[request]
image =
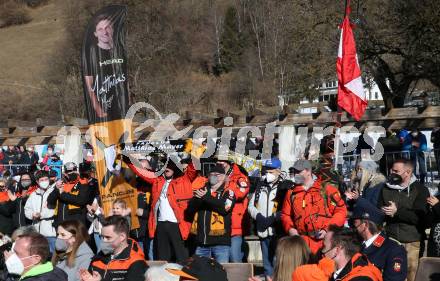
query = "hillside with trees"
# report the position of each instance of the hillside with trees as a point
(237, 55)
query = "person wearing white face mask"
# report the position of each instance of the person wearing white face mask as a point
(311, 206)
(265, 208)
(71, 250)
(210, 211)
(37, 211)
(27, 259)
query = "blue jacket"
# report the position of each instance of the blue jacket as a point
(56, 166)
(421, 138)
(389, 257)
(405, 139)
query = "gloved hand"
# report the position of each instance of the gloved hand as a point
(260, 221)
(263, 222)
(268, 222)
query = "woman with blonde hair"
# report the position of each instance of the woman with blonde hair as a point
(71, 250)
(291, 252)
(368, 183)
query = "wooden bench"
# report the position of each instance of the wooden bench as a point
(239, 271)
(235, 271)
(428, 269)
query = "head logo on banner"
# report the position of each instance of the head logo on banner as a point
(104, 66)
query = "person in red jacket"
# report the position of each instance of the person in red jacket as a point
(170, 194)
(311, 206)
(239, 212)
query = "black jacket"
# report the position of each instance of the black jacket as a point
(6, 219)
(55, 275)
(128, 265)
(17, 209)
(407, 225)
(143, 203)
(70, 205)
(209, 208)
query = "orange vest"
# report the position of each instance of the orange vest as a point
(121, 264)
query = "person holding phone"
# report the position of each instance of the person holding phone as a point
(211, 213)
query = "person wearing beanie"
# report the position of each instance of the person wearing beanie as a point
(36, 209)
(239, 214)
(70, 196)
(211, 213)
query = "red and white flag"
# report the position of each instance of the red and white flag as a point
(351, 95)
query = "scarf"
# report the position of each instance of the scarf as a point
(217, 223)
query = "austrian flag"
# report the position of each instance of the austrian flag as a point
(351, 95)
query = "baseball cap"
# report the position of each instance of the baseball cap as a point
(70, 167)
(201, 269)
(302, 164)
(273, 163)
(365, 211)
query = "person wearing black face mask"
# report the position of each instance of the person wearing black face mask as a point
(404, 202)
(70, 196)
(385, 253)
(340, 245)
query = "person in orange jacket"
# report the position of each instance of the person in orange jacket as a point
(239, 212)
(350, 265)
(315, 272)
(311, 206)
(170, 194)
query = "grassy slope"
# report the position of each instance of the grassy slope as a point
(25, 50)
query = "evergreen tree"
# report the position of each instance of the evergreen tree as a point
(231, 44)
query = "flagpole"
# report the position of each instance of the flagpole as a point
(338, 124)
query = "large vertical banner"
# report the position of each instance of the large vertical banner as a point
(104, 67)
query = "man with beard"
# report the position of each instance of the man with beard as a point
(404, 202)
